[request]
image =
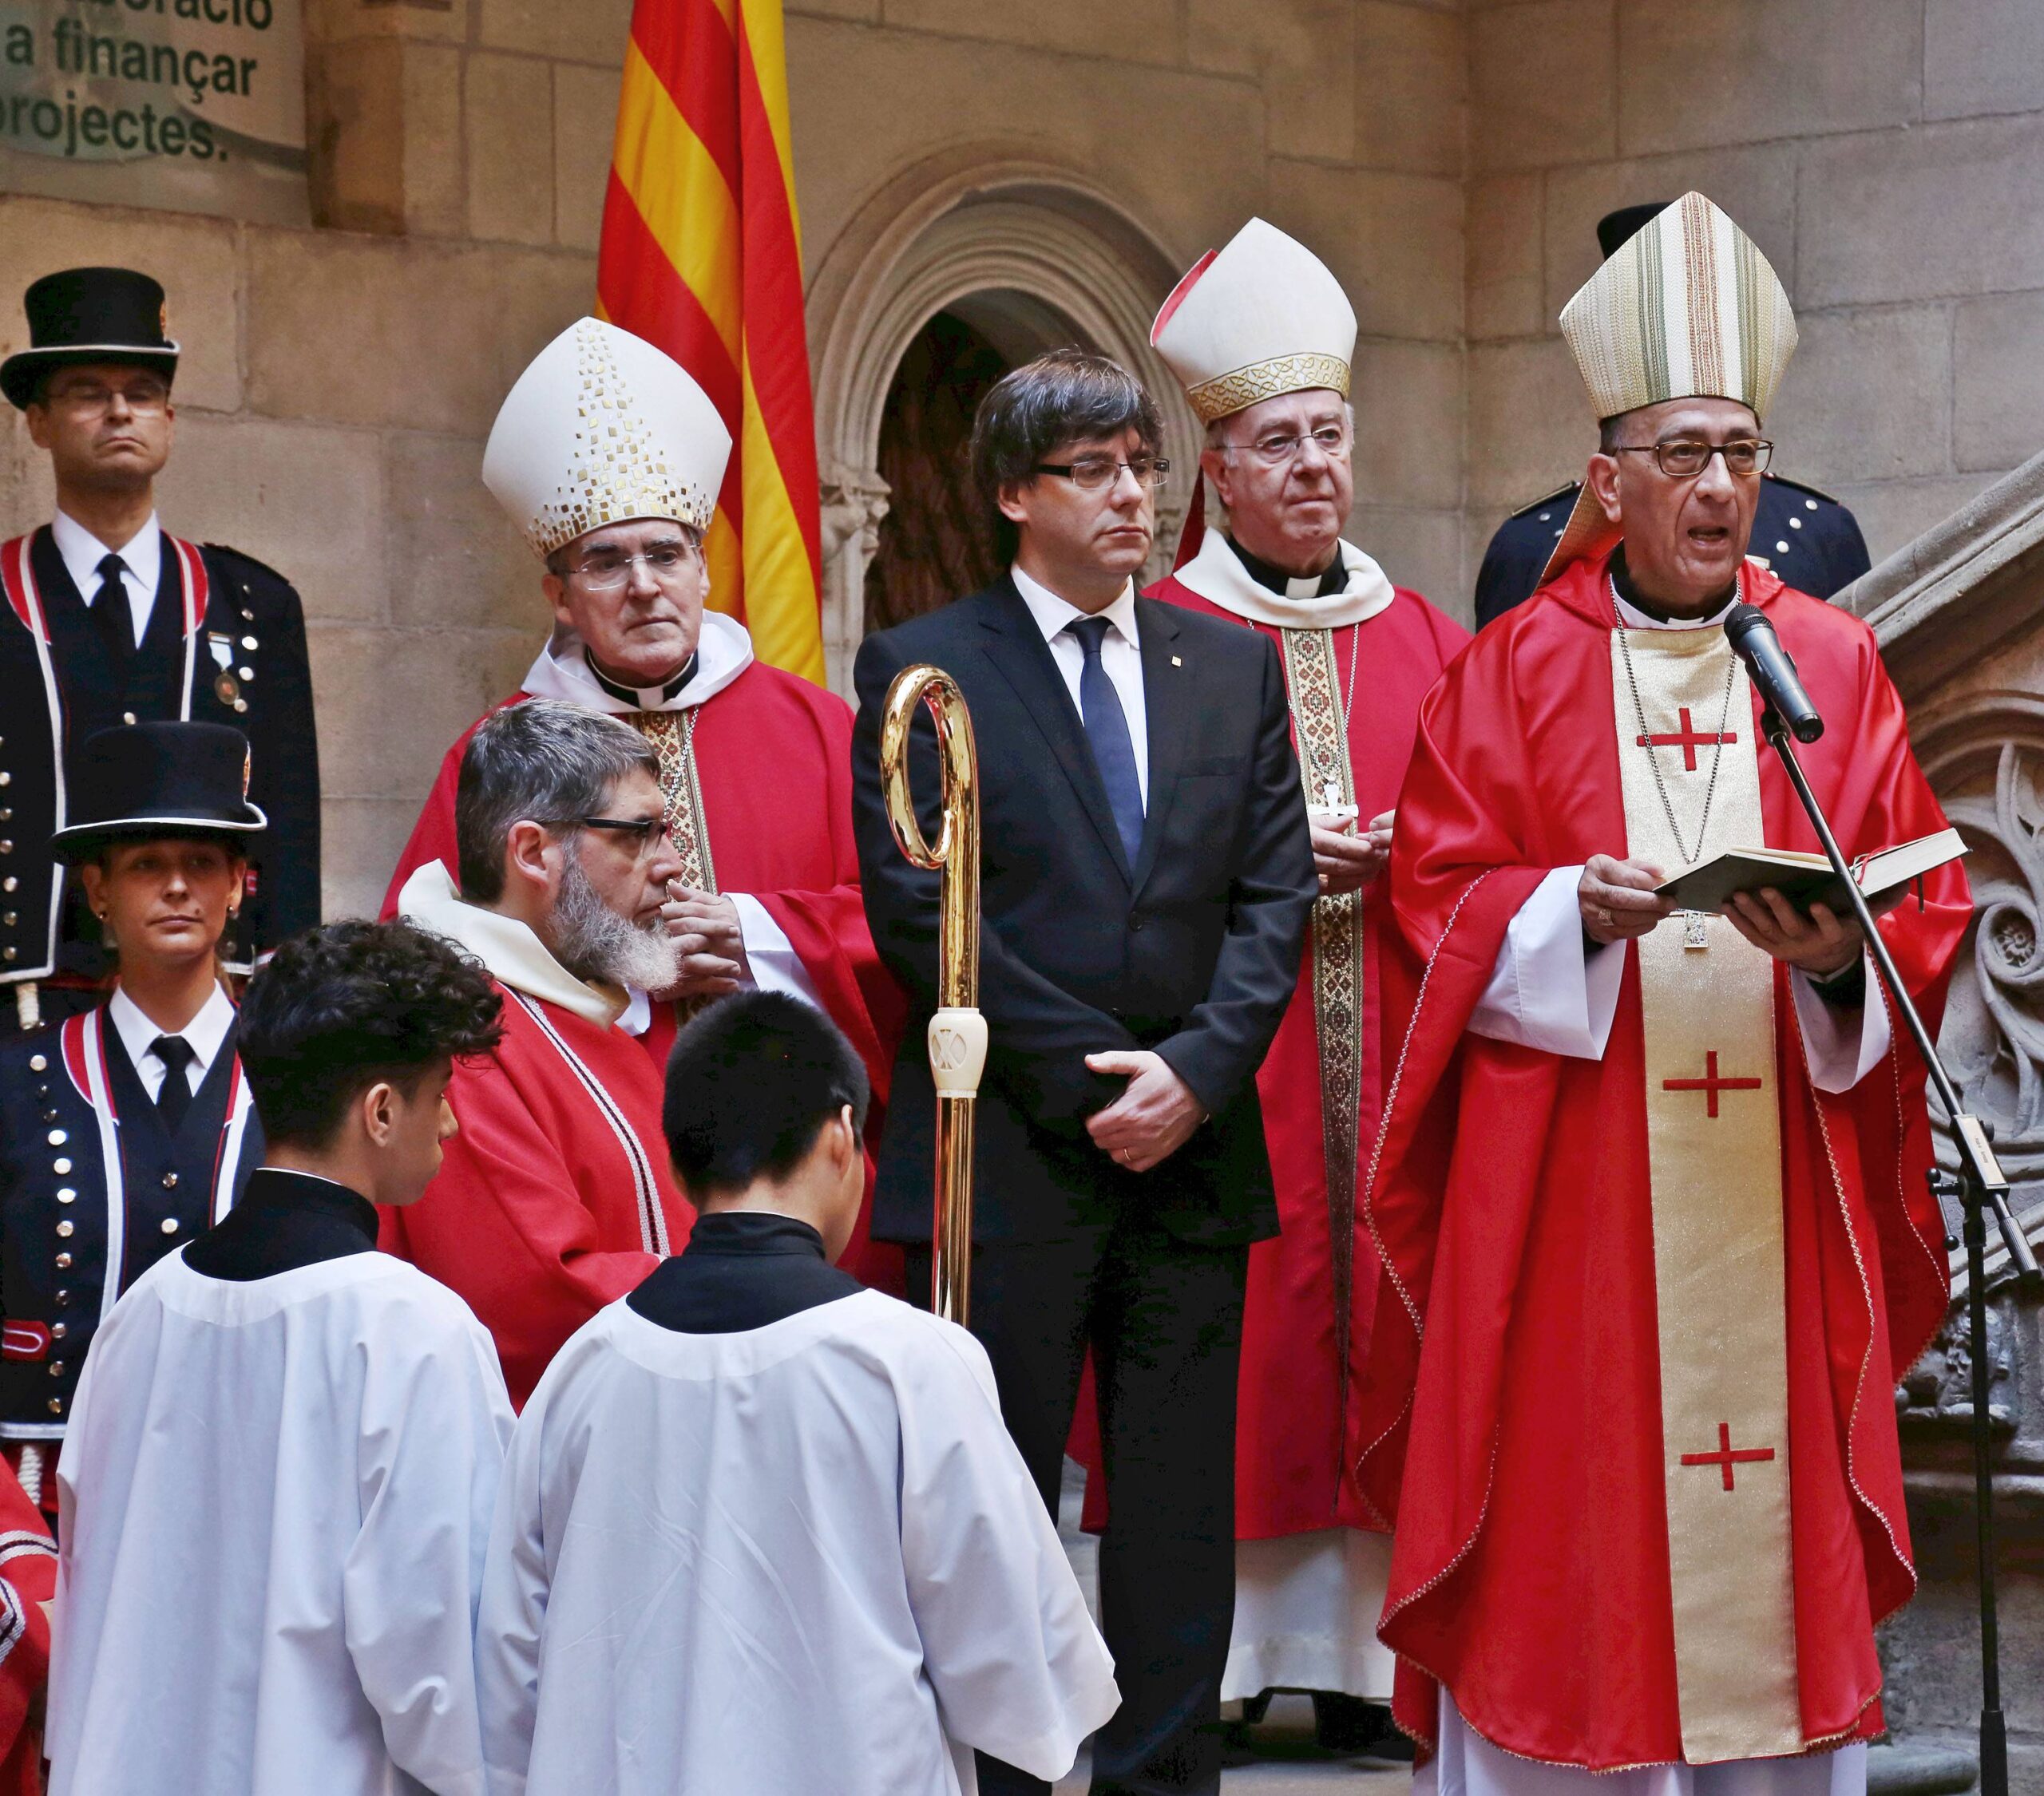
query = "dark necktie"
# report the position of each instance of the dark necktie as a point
(1106, 728)
(175, 1098)
(111, 616)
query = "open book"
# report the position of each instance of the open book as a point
(1805, 879)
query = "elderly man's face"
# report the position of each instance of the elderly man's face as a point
(634, 593)
(1684, 537)
(1285, 472)
(107, 426)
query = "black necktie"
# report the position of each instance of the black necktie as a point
(111, 616)
(1106, 728)
(175, 1098)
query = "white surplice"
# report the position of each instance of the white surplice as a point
(274, 1496)
(797, 1558)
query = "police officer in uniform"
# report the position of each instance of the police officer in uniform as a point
(1806, 537)
(110, 621)
(125, 1130)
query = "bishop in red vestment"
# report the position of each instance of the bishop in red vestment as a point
(557, 1196)
(1359, 655)
(28, 1585)
(755, 763)
(1649, 1192)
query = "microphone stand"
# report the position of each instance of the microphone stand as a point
(1980, 1184)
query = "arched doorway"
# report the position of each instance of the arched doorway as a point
(936, 541)
(960, 263)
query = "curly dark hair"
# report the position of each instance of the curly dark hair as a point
(339, 1008)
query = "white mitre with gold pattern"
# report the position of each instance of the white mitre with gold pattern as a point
(1687, 308)
(1264, 316)
(602, 427)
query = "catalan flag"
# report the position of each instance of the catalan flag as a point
(701, 256)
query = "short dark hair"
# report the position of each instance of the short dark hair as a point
(1066, 396)
(338, 1008)
(751, 1083)
(543, 758)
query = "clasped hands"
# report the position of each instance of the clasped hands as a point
(1348, 860)
(705, 926)
(1154, 1117)
(1619, 904)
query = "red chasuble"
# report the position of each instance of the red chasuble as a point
(1289, 1453)
(1512, 1408)
(28, 1582)
(772, 761)
(556, 1197)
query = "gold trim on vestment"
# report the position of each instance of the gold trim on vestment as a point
(1320, 722)
(1713, 1130)
(672, 735)
(1228, 393)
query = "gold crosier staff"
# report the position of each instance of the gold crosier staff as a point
(957, 1031)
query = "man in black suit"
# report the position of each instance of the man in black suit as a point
(1147, 875)
(110, 620)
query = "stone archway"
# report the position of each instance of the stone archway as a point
(1030, 255)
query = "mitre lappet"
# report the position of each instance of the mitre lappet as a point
(1688, 308)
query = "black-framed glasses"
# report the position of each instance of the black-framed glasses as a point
(1090, 473)
(638, 834)
(1684, 458)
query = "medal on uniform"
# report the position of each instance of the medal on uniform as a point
(227, 691)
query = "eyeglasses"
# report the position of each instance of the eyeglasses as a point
(1332, 440)
(612, 573)
(1090, 473)
(641, 835)
(145, 398)
(1684, 458)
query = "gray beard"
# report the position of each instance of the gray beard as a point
(595, 944)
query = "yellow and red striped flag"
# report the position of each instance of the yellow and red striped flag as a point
(701, 256)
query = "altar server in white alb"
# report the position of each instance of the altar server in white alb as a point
(762, 1531)
(278, 1476)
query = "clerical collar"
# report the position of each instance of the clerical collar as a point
(641, 698)
(740, 1270)
(1623, 584)
(1331, 579)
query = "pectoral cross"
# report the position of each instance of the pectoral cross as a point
(1696, 928)
(1689, 739)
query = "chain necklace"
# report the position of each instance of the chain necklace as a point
(1654, 760)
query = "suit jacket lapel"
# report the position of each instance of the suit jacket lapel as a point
(1026, 663)
(1167, 719)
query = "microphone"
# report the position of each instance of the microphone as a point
(1754, 640)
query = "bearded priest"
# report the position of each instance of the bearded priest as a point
(1262, 337)
(608, 458)
(1630, 1394)
(556, 1197)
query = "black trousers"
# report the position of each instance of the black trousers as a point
(1164, 1320)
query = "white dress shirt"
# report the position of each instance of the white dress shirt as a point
(142, 556)
(1121, 658)
(205, 1033)
(1551, 989)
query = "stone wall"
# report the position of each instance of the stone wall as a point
(1885, 154)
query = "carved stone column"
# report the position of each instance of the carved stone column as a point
(855, 501)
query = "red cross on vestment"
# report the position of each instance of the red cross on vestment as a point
(1689, 739)
(1710, 1085)
(1725, 1459)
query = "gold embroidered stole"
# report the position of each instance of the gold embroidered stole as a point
(1320, 720)
(672, 735)
(1714, 1160)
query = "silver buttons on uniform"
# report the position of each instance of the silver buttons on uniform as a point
(58, 1331)
(66, 1229)
(66, 1195)
(127, 717)
(38, 1063)
(170, 1225)
(170, 1182)
(60, 1168)
(57, 1137)
(57, 1405)
(63, 1262)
